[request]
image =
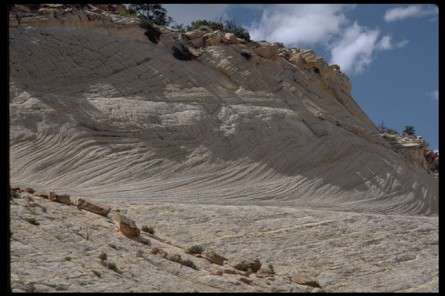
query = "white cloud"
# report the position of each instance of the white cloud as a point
(402, 43)
(353, 52)
(409, 11)
(386, 43)
(299, 24)
(351, 46)
(186, 13)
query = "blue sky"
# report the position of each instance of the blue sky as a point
(390, 52)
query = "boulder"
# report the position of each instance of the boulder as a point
(266, 270)
(283, 52)
(62, 198)
(232, 271)
(266, 50)
(245, 280)
(126, 226)
(194, 34)
(213, 38)
(305, 280)
(214, 257)
(246, 264)
(335, 67)
(42, 194)
(296, 59)
(218, 272)
(83, 204)
(196, 52)
(230, 38)
(29, 190)
(278, 44)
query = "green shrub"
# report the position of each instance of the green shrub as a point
(195, 249)
(238, 31)
(211, 24)
(152, 13)
(153, 33)
(227, 26)
(148, 229)
(189, 263)
(391, 131)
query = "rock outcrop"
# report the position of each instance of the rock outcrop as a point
(89, 206)
(126, 226)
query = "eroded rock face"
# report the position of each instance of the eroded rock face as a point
(121, 117)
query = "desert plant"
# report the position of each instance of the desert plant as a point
(112, 266)
(211, 24)
(97, 273)
(195, 249)
(391, 131)
(14, 194)
(127, 12)
(148, 229)
(181, 52)
(237, 30)
(247, 55)
(179, 28)
(32, 221)
(409, 130)
(151, 13)
(228, 26)
(189, 263)
(153, 33)
(103, 256)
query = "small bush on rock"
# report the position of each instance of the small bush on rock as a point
(153, 33)
(103, 256)
(148, 229)
(195, 249)
(189, 263)
(181, 52)
(247, 55)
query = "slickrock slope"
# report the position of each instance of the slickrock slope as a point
(98, 109)
(244, 147)
(346, 252)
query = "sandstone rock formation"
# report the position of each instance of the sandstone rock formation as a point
(83, 204)
(62, 198)
(243, 147)
(269, 130)
(126, 226)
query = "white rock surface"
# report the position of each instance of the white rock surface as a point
(98, 111)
